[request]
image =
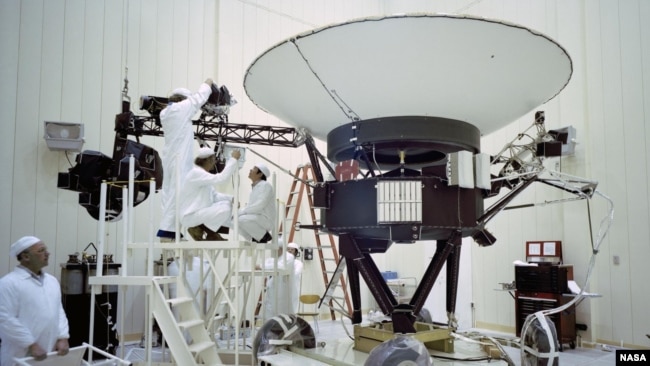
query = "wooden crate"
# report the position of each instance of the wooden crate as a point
(435, 338)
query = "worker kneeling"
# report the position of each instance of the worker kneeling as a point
(203, 209)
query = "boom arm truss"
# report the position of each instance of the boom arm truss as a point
(214, 128)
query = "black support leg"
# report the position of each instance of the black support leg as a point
(453, 265)
(443, 249)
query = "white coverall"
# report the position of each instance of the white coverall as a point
(258, 216)
(297, 275)
(178, 151)
(285, 286)
(201, 203)
(30, 311)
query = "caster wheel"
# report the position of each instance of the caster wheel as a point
(281, 332)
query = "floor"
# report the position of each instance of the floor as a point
(334, 342)
(335, 337)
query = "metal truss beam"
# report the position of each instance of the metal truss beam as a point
(214, 128)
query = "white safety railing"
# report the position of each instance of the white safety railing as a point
(244, 282)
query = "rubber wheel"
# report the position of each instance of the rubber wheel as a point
(283, 327)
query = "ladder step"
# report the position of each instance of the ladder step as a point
(190, 323)
(219, 317)
(179, 301)
(197, 348)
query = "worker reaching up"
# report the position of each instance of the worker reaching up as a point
(178, 152)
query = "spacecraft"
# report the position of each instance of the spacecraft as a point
(402, 102)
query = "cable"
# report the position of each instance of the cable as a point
(68, 158)
(331, 93)
(603, 229)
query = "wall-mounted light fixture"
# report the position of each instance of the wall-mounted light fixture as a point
(64, 136)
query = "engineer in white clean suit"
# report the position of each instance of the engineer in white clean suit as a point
(256, 220)
(203, 209)
(32, 319)
(283, 283)
(294, 249)
(178, 152)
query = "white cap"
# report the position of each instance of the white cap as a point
(264, 169)
(22, 244)
(293, 245)
(204, 152)
(181, 91)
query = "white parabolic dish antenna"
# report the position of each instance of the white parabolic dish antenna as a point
(484, 72)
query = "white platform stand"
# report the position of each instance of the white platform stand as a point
(74, 357)
(190, 329)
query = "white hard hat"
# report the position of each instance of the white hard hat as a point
(204, 152)
(264, 169)
(182, 91)
(293, 245)
(22, 244)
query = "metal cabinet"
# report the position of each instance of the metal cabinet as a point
(565, 322)
(76, 299)
(545, 287)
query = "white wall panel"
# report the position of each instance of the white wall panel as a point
(70, 90)
(644, 12)
(89, 97)
(112, 72)
(26, 150)
(641, 245)
(615, 155)
(635, 152)
(50, 106)
(9, 43)
(169, 68)
(595, 141)
(145, 61)
(178, 32)
(210, 31)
